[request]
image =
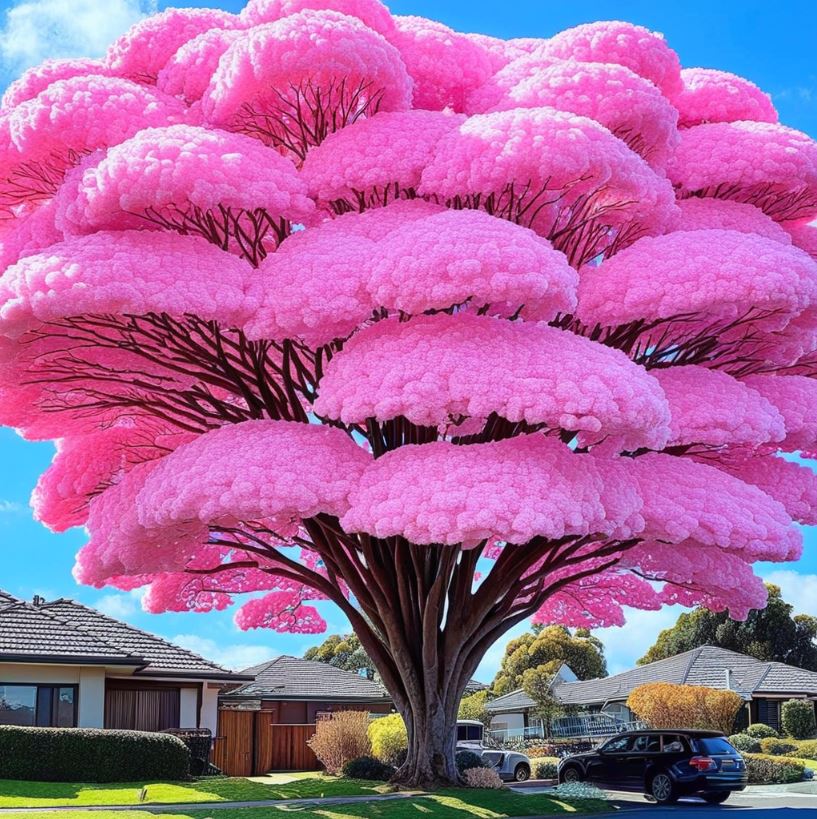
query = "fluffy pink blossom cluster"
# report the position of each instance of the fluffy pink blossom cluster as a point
(333, 305)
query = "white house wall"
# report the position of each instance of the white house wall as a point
(189, 708)
(91, 698)
(510, 722)
(209, 707)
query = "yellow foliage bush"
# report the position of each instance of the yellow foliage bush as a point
(341, 738)
(666, 705)
(388, 736)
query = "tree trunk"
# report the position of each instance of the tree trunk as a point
(432, 735)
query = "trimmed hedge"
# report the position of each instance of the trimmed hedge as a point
(760, 730)
(544, 767)
(777, 747)
(745, 744)
(367, 767)
(797, 718)
(90, 755)
(768, 770)
(807, 749)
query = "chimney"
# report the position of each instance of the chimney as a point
(728, 677)
(38, 601)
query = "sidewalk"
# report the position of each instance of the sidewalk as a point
(169, 807)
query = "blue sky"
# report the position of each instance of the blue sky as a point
(770, 43)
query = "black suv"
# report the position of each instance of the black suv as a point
(662, 764)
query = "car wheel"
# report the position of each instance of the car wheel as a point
(662, 788)
(571, 774)
(521, 773)
(716, 798)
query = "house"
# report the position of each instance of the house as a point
(63, 664)
(763, 685)
(266, 724)
(297, 691)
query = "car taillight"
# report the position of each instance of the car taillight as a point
(703, 763)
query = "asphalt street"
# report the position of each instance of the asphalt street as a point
(761, 805)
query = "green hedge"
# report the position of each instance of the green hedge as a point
(759, 730)
(766, 770)
(745, 744)
(778, 747)
(90, 755)
(544, 767)
(797, 717)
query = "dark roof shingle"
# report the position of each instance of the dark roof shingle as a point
(293, 678)
(28, 632)
(69, 631)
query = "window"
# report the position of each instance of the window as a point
(673, 744)
(620, 745)
(469, 733)
(647, 744)
(712, 745)
(46, 706)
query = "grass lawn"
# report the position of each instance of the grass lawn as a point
(450, 804)
(17, 794)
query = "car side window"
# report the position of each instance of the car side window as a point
(620, 745)
(647, 744)
(673, 744)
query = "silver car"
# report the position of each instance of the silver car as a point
(510, 765)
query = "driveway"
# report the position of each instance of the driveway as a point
(772, 802)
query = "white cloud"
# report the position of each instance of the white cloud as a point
(798, 589)
(120, 606)
(34, 30)
(235, 656)
(8, 507)
(625, 644)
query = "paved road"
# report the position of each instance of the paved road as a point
(768, 805)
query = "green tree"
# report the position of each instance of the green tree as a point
(342, 651)
(473, 707)
(536, 683)
(546, 648)
(767, 634)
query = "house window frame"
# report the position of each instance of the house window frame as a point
(55, 688)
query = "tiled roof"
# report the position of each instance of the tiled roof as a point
(67, 630)
(475, 685)
(6, 599)
(160, 655)
(513, 701)
(292, 678)
(28, 632)
(706, 665)
(786, 679)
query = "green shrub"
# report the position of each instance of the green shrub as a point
(367, 767)
(388, 736)
(761, 731)
(466, 760)
(797, 718)
(767, 770)
(807, 749)
(745, 744)
(90, 755)
(777, 747)
(544, 767)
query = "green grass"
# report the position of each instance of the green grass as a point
(450, 804)
(17, 794)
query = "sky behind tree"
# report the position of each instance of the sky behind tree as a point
(771, 44)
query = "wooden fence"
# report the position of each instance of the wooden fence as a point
(249, 744)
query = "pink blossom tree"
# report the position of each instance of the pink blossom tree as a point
(321, 304)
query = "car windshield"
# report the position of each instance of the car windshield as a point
(713, 745)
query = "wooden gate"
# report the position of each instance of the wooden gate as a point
(233, 748)
(283, 747)
(248, 743)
